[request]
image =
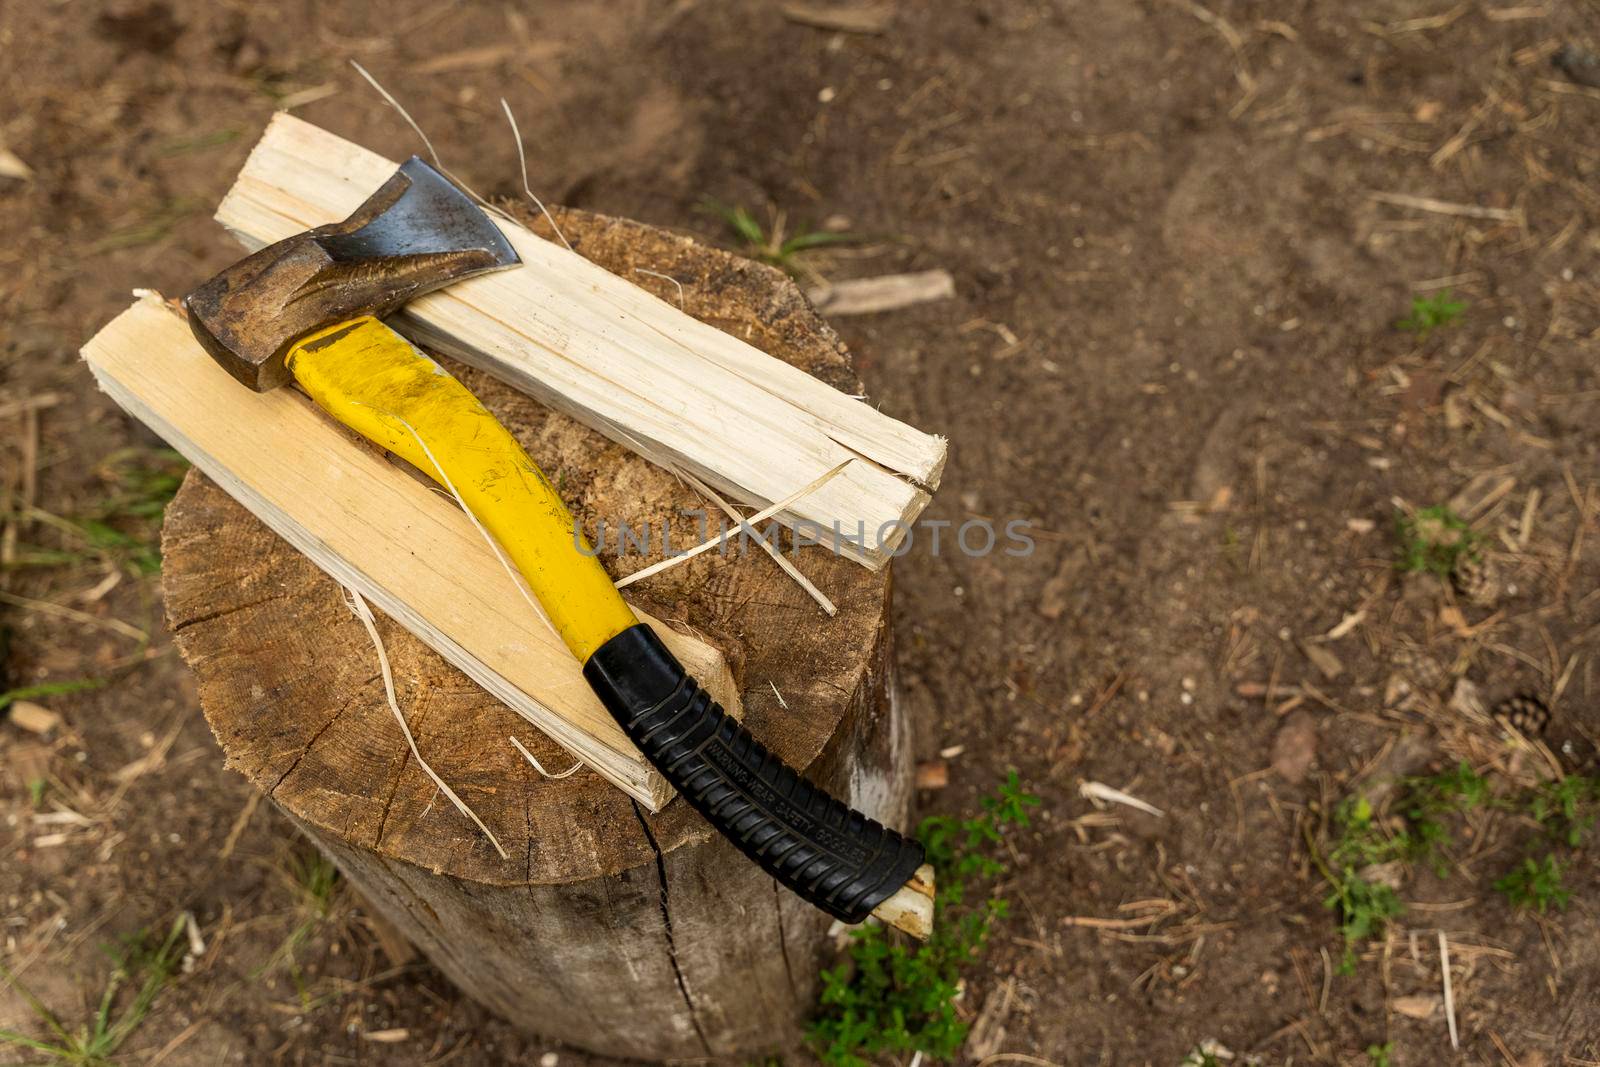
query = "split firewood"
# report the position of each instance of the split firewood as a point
(374, 527)
(744, 422)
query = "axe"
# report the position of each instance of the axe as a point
(309, 308)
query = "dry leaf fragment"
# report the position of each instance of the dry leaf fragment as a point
(12, 167)
(1346, 624)
(34, 718)
(1468, 701)
(1105, 794)
(843, 18)
(388, 1037)
(1421, 1006)
(1055, 595)
(1294, 747)
(1323, 659)
(934, 774)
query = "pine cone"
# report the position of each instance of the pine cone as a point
(1476, 579)
(1526, 713)
(1420, 669)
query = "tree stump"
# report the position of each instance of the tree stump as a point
(619, 931)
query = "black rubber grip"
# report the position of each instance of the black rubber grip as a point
(831, 855)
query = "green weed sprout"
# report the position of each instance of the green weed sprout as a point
(1535, 884)
(893, 997)
(772, 247)
(97, 1041)
(1433, 540)
(1428, 313)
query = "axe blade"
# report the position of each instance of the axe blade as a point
(418, 232)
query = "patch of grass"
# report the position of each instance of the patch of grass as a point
(142, 963)
(152, 228)
(1364, 906)
(123, 528)
(773, 246)
(36, 556)
(1535, 884)
(49, 689)
(1566, 810)
(895, 997)
(1427, 801)
(315, 884)
(1433, 540)
(1429, 313)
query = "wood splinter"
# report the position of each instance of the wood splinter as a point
(911, 907)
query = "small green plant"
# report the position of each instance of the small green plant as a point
(1378, 1055)
(1566, 810)
(149, 966)
(772, 246)
(1535, 884)
(1364, 906)
(1433, 540)
(1426, 803)
(1428, 313)
(314, 882)
(893, 997)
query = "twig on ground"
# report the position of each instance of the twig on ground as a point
(45, 607)
(240, 821)
(1449, 993)
(1446, 207)
(868, 19)
(1101, 793)
(865, 296)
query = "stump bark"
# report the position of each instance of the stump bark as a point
(610, 928)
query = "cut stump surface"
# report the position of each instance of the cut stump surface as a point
(608, 927)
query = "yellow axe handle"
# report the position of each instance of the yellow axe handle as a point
(372, 380)
(377, 383)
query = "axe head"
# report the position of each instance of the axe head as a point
(416, 233)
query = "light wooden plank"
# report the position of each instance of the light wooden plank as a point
(376, 528)
(621, 360)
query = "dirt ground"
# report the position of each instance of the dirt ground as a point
(1181, 237)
